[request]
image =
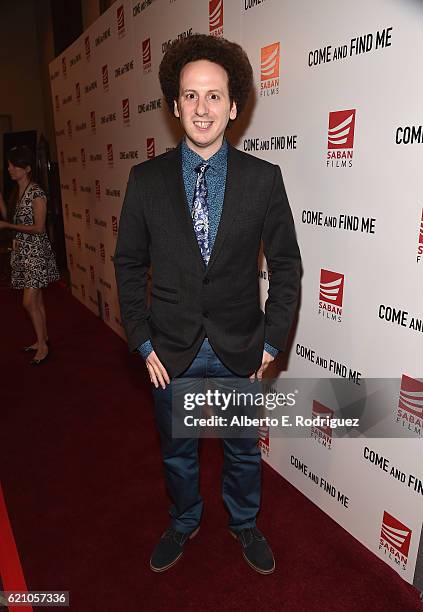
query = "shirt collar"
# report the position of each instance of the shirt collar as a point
(217, 162)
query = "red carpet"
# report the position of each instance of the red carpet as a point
(12, 578)
(82, 481)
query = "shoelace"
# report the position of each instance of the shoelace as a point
(249, 534)
(172, 534)
(250, 531)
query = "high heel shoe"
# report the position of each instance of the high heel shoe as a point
(31, 349)
(37, 362)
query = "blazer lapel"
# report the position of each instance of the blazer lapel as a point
(172, 171)
(234, 190)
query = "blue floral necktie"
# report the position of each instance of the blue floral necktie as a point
(200, 212)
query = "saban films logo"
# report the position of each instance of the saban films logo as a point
(151, 151)
(216, 17)
(322, 433)
(105, 77)
(146, 56)
(264, 441)
(120, 21)
(331, 295)
(114, 226)
(97, 190)
(395, 538)
(269, 69)
(87, 48)
(341, 139)
(110, 155)
(409, 413)
(125, 112)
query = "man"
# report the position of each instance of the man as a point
(198, 215)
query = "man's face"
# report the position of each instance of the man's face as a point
(203, 106)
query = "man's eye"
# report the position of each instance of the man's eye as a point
(214, 96)
(190, 96)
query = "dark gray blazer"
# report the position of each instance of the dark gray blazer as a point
(221, 301)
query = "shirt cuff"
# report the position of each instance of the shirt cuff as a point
(271, 349)
(145, 349)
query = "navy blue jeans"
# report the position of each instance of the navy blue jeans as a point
(241, 476)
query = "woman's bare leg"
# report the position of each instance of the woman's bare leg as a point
(31, 305)
(43, 313)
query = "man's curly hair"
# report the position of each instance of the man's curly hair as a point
(229, 55)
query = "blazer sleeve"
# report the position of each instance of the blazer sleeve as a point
(132, 261)
(284, 263)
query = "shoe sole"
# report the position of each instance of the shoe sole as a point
(163, 569)
(38, 362)
(257, 569)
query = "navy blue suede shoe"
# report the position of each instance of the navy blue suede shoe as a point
(169, 549)
(255, 549)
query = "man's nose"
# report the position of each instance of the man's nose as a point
(202, 108)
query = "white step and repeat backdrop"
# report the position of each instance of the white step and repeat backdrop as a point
(338, 104)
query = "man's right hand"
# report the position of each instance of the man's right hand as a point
(157, 371)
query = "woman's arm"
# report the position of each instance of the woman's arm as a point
(3, 209)
(39, 210)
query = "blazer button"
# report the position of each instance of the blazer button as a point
(206, 314)
(206, 281)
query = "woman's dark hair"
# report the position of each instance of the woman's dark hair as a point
(22, 156)
(229, 55)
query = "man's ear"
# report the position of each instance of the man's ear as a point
(233, 111)
(175, 109)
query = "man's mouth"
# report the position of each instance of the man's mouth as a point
(203, 125)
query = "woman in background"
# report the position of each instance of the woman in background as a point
(32, 261)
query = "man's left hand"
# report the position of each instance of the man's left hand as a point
(267, 358)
